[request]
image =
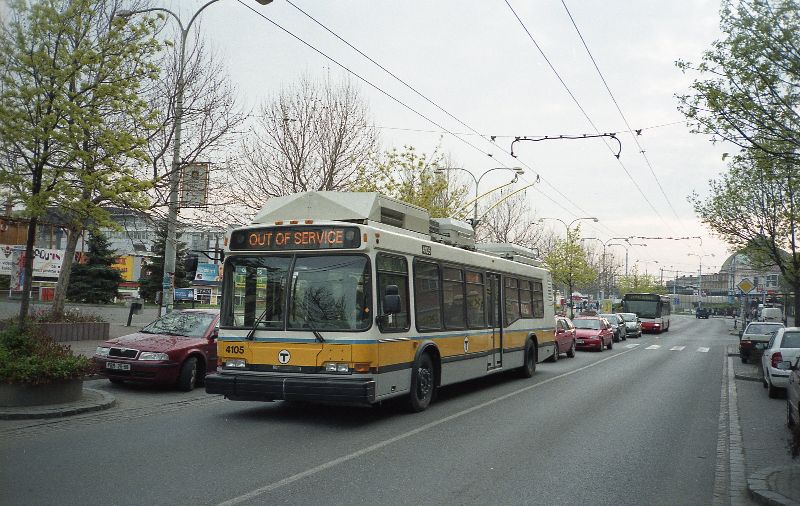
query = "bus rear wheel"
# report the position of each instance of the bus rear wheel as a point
(423, 384)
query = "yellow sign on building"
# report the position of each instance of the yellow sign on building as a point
(124, 264)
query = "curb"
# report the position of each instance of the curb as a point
(92, 400)
(758, 487)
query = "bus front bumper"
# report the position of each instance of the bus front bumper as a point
(337, 390)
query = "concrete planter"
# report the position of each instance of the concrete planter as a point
(37, 395)
(83, 331)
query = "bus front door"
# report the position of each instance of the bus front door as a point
(494, 302)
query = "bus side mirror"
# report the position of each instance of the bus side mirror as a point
(391, 300)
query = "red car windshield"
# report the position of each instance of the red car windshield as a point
(179, 323)
(587, 324)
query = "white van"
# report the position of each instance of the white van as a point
(771, 314)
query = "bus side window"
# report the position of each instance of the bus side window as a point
(476, 300)
(538, 299)
(427, 295)
(454, 305)
(511, 300)
(525, 304)
(392, 270)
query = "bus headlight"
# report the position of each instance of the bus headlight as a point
(337, 367)
(236, 363)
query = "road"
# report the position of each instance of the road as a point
(635, 425)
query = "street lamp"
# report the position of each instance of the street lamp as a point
(605, 243)
(700, 279)
(569, 259)
(516, 170)
(170, 244)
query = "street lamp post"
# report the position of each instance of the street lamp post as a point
(605, 243)
(700, 279)
(170, 244)
(517, 172)
(569, 259)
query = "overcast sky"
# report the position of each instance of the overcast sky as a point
(476, 61)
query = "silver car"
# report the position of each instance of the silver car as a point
(633, 325)
(782, 351)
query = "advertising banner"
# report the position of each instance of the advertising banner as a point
(184, 294)
(124, 264)
(208, 274)
(46, 262)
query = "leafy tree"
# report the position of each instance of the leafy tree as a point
(754, 206)
(96, 281)
(152, 278)
(639, 283)
(68, 100)
(749, 94)
(749, 84)
(569, 263)
(412, 177)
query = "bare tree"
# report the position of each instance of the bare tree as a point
(510, 220)
(211, 124)
(314, 135)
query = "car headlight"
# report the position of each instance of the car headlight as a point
(150, 355)
(102, 351)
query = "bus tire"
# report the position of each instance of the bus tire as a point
(529, 366)
(423, 384)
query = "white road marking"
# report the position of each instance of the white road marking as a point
(386, 442)
(633, 345)
(677, 348)
(653, 347)
(703, 349)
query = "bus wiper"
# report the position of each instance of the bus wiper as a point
(311, 324)
(249, 336)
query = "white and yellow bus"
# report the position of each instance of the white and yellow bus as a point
(356, 298)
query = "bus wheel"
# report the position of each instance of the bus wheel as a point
(529, 367)
(423, 383)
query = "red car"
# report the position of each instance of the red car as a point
(593, 332)
(177, 349)
(564, 338)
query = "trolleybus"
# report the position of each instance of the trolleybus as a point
(355, 298)
(652, 309)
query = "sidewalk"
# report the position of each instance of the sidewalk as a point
(773, 485)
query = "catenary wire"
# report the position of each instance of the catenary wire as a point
(583, 111)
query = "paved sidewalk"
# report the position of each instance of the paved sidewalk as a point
(774, 485)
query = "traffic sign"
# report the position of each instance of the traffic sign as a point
(746, 286)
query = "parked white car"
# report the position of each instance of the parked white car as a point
(782, 351)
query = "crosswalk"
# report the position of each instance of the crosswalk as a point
(700, 349)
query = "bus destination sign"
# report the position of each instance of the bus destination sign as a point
(295, 238)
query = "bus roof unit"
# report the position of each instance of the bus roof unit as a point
(510, 252)
(367, 208)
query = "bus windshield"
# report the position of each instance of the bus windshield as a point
(324, 292)
(643, 308)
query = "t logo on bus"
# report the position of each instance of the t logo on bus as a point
(284, 356)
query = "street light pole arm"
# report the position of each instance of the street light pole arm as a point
(127, 14)
(198, 13)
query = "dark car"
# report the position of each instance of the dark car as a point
(177, 349)
(593, 332)
(618, 324)
(702, 312)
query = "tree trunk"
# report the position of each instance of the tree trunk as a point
(73, 234)
(796, 290)
(27, 281)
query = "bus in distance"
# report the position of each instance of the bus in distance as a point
(652, 309)
(356, 298)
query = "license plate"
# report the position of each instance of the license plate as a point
(579, 341)
(118, 366)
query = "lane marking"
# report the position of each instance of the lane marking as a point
(703, 349)
(633, 345)
(653, 347)
(386, 442)
(677, 348)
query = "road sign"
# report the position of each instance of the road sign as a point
(746, 286)
(676, 301)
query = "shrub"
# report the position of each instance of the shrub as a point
(29, 356)
(69, 316)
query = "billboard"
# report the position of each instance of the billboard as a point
(124, 264)
(184, 294)
(194, 184)
(208, 274)
(46, 262)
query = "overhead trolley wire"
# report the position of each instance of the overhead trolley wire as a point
(430, 101)
(622, 115)
(583, 111)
